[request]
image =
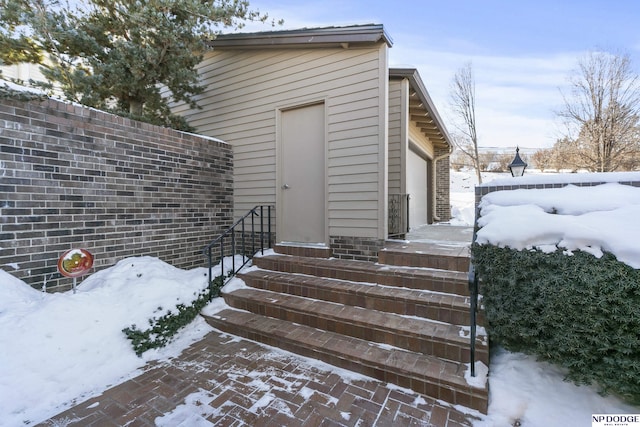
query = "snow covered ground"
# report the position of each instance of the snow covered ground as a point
(60, 349)
(57, 348)
(571, 218)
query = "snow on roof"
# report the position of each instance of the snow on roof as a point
(20, 88)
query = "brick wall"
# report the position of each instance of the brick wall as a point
(443, 184)
(356, 248)
(559, 181)
(73, 177)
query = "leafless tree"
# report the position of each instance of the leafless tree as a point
(502, 162)
(543, 158)
(564, 155)
(488, 160)
(601, 111)
(463, 105)
(459, 160)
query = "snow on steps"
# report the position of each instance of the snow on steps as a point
(437, 280)
(398, 324)
(437, 378)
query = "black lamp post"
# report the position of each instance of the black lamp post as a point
(517, 165)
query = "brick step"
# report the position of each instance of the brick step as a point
(304, 251)
(452, 282)
(424, 374)
(439, 339)
(442, 307)
(454, 257)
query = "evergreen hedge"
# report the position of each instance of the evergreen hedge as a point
(577, 311)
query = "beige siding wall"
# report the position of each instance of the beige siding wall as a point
(247, 88)
(22, 72)
(420, 141)
(397, 134)
(401, 131)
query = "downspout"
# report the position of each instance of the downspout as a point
(434, 183)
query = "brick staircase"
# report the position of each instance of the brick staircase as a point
(392, 321)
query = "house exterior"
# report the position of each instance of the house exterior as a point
(419, 149)
(323, 129)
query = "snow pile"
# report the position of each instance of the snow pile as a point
(15, 293)
(535, 394)
(591, 219)
(65, 346)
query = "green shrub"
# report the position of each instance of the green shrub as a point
(163, 328)
(578, 311)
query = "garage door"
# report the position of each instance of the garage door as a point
(418, 189)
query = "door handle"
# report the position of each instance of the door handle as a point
(286, 187)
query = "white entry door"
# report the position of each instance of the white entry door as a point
(301, 209)
(418, 189)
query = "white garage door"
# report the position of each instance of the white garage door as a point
(417, 189)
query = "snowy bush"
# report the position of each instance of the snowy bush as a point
(577, 311)
(162, 329)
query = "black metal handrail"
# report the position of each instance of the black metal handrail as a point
(252, 234)
(473, 292)
(398, 215)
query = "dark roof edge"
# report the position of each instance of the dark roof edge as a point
(353, 34)
(416, 82)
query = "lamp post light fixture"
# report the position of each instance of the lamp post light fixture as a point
(517, 165)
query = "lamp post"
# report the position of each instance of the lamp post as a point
(517, 165)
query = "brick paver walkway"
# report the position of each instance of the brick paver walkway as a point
(227, 381)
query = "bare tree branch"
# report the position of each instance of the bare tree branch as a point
(601, 112)
(463, 105)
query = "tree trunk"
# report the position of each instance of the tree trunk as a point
(463, 103)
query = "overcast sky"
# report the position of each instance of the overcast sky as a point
(522, 51)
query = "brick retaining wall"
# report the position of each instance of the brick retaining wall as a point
(543, 181)
(75, 177)
(443, 185)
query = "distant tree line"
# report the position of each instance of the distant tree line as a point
(488, 160)
(600, 116)
(601, 113)
(567, 154)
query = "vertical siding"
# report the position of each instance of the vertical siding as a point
(246, 88)
(23, 72)
(396, 135)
